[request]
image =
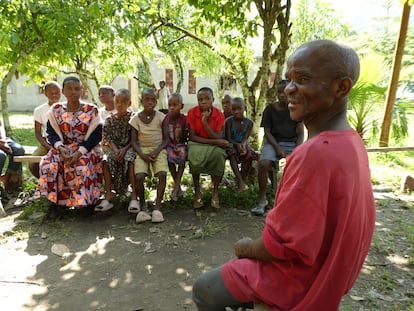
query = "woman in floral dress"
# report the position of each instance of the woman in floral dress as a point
(71, 172)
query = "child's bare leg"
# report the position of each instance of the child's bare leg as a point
(196, 184)
(237, 174)
(108, 181)
(34, 169)
(245, 168)
(172, 169)
(177, 182)
(131, 175)
(162, 181)
(179, 176)
(216, 182)
(263, 173)
(139, 179)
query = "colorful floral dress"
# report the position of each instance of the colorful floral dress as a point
(118, 131)
(79, 185)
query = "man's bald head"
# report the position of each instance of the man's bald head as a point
(340, 59)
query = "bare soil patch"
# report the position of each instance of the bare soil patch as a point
(114, 264)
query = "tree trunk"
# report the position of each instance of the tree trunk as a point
(178, 66)
(393, 84)
(4, 105)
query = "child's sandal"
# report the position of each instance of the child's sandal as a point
(157, 216)
(198, 203)
(142, 217)
(104, 206)
(134, 207)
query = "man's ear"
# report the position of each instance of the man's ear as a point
(344, 86)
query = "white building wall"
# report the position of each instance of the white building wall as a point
(24, 96)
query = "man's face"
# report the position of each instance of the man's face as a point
(281, 96)
(310, 90)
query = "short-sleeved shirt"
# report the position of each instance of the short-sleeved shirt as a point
(320, 228)
(149, 135)
(281, 126)
(40, 116)
(216, 121)
(106, 113)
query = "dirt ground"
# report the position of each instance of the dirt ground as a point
(111, 263)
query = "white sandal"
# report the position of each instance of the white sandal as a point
(142, 217)
(157, 216)
(104, 206)
(134, 207)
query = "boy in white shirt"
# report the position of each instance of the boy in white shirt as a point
(52, 92)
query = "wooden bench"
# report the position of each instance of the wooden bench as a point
(28, 157)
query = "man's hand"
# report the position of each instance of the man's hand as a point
(281, 153)
(242, 248)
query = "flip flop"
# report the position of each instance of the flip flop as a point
(134, 207)
(104, 206)
(244, 189)
(157, 216)
(259, 209)
(198, 203)
(215, 204)
(142, 217)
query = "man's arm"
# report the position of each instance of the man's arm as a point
(255, 249)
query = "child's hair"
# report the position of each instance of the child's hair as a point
(148, 90)
(51, 83)
(239, 101)
(124, 93)
(71, 79)
(106, 87)
(205, 89)
(177, 95)
(282, 83)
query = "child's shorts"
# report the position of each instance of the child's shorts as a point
(159, 165)
(269, 153)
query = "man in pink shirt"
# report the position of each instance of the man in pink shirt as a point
(318, 234)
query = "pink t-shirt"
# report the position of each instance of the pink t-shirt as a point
(320, 228)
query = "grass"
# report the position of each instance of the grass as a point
(22, 125)
(386, 169)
